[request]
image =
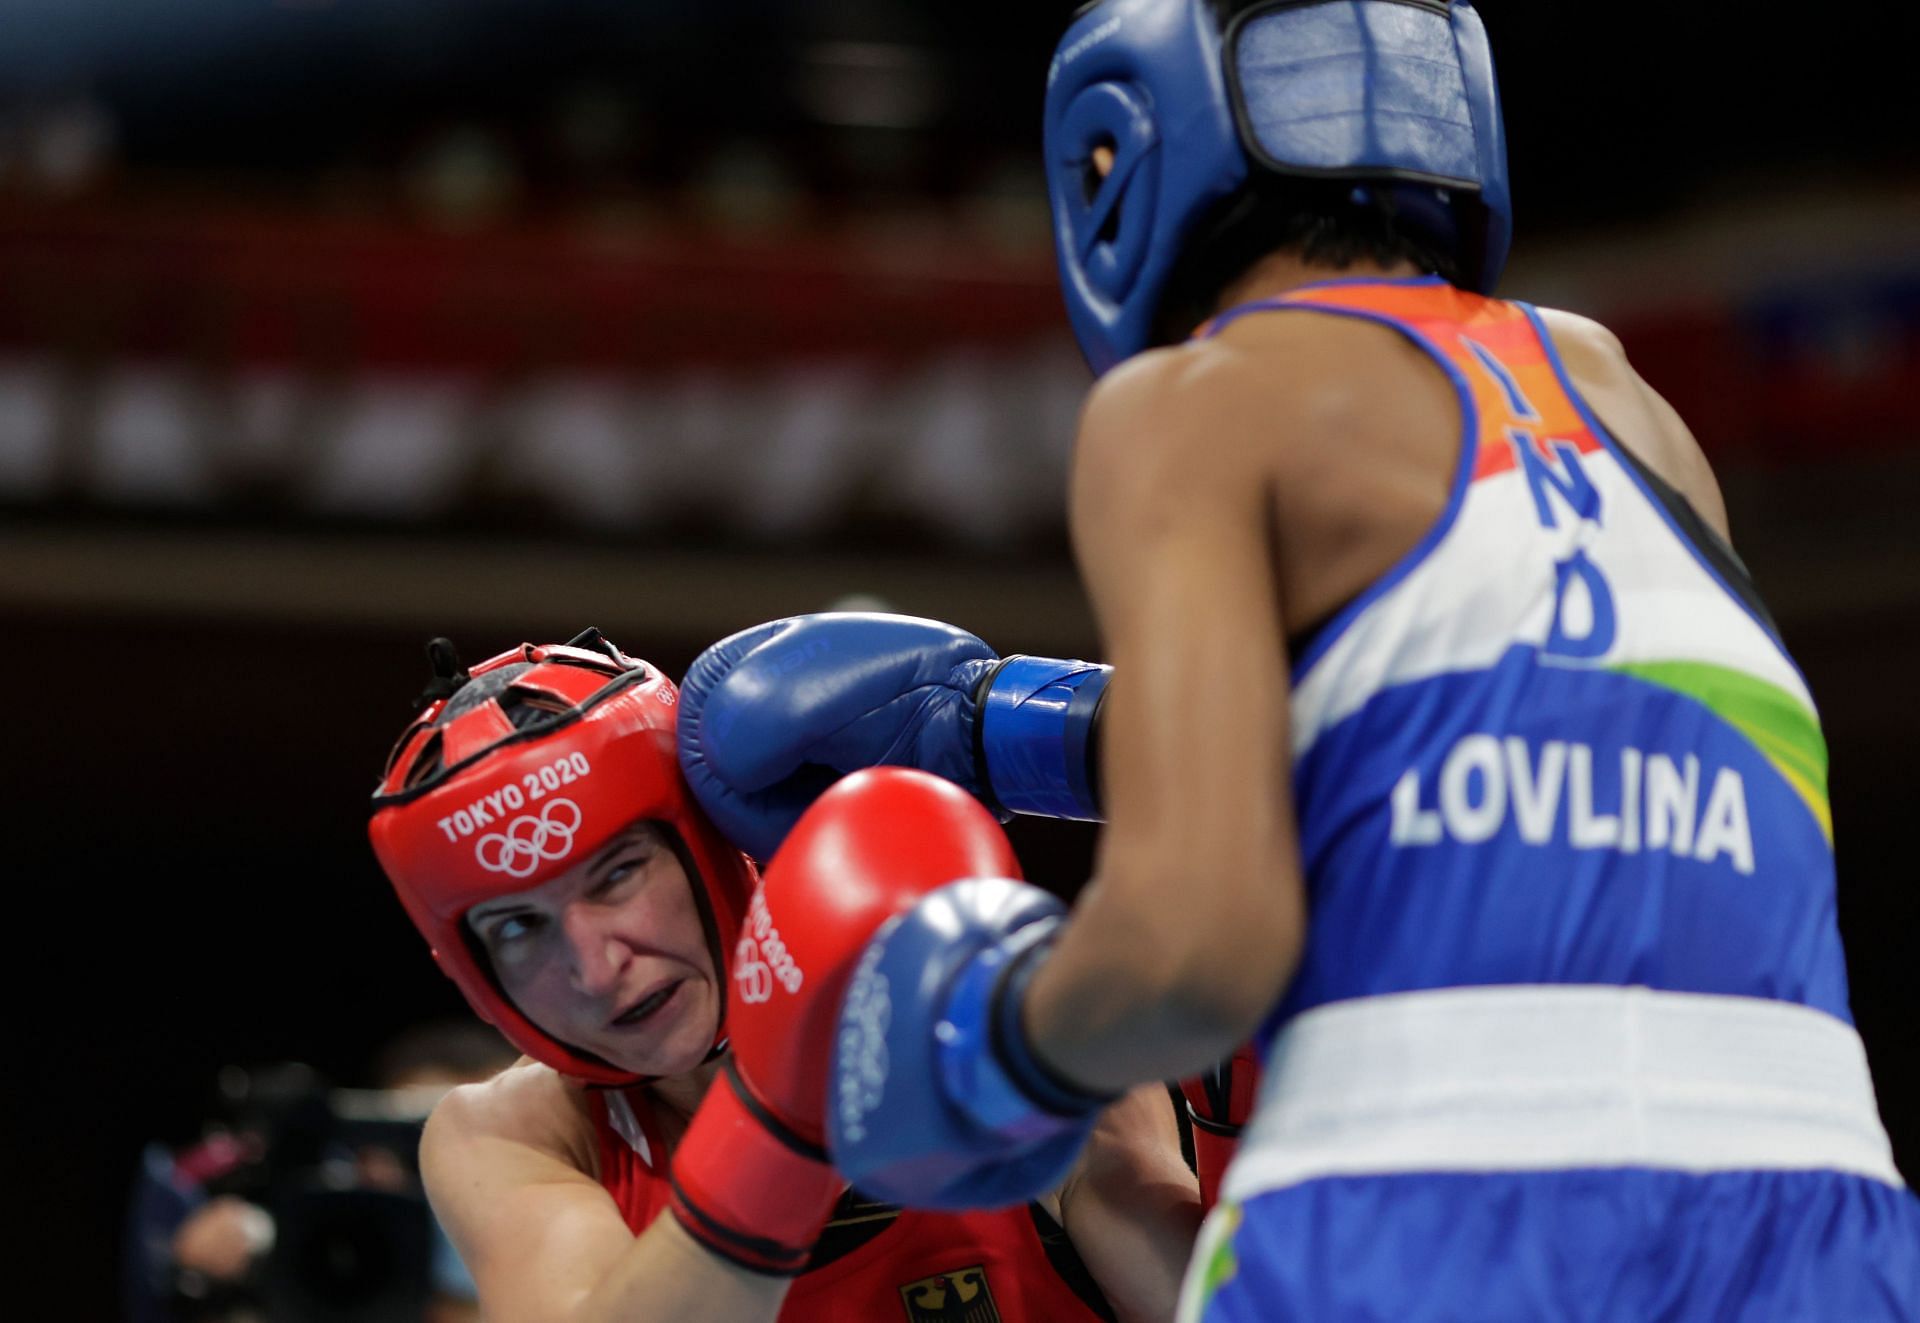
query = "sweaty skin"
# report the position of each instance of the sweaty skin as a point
(512, 1165)
(1228, 494)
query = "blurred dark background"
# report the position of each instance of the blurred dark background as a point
(328, 325)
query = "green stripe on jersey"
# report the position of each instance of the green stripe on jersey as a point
(1780, 725)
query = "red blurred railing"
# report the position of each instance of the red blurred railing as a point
(294, 290)
(1779, 367)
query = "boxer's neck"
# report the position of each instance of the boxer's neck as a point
(1285, 269)
(681, 1094)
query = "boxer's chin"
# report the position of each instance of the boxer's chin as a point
(675, 1039)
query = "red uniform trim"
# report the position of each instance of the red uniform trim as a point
(1447, 318)
(989, 1267)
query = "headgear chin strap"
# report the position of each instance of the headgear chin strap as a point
(1396, 94)
(474, 806)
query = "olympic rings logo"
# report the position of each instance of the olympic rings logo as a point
(529, 839)
(753, 974)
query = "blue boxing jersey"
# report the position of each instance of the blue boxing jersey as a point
(1560, 742)
(1570, 1031)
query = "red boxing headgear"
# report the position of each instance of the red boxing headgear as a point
(474, 805)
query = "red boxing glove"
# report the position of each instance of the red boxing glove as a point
(1219, 1103)
(751, 1179)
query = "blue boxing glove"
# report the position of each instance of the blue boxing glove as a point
(773, 715)
(935, 1100)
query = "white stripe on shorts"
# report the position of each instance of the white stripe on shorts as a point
(1542, 1077)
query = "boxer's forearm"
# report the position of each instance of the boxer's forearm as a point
(507, 1168)
(668, 1275)
(1146, 986)
(1192, 927)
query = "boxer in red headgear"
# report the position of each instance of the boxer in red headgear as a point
(677, 1015)
(545, 756)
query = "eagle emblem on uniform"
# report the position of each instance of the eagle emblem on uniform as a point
(960, 1296)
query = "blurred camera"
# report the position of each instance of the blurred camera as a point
(323, 1187)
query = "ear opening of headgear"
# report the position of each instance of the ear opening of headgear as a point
(1112, 224)
(1143, 78)
(535, 761)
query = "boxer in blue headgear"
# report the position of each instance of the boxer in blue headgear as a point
(1448, 750)
(1186, 137)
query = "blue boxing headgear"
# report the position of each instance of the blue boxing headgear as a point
(1396, 95)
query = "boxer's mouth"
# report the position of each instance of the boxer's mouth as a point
(648, 1005)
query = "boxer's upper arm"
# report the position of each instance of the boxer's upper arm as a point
(508, 1167)
(1171, 512)
(1132, 1206)
(537, 1232)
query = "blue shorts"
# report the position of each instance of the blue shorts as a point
(1619, 1245)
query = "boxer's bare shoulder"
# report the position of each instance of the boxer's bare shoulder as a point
(527, 1106)
(1343, 433)
(508, 1166)
(1172, 515)
(1636, 414)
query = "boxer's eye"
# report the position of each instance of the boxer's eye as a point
(510, 930)
(630, 865)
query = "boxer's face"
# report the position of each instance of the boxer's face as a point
(611, 956)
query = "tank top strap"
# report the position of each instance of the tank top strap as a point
(1509, 386)
(632, 1153)
(624, 1124)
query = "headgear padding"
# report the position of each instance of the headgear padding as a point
(1397, 94)
(475, 806)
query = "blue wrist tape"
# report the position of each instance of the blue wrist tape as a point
(987, 1067)
(1036, 725)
